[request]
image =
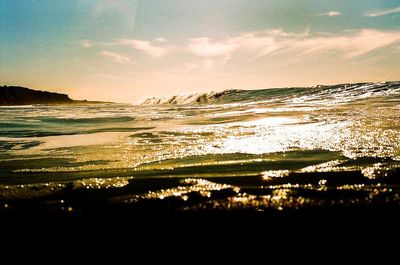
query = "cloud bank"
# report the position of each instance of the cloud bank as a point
(350, 43)
(205, 53)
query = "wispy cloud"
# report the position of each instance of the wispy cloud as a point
(86, 43)
(383, 12)
(158, 50)
(331, 14)
(204, 47)
(257, 44)
(116, 57)
(161, 39)
(145, 46)
(350, 43)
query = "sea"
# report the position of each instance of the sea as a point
(259, 152)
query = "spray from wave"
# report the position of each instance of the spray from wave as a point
(190, 98)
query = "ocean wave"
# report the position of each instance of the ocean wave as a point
(189, 98)
(317, 94)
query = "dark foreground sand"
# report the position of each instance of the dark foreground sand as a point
(124, 211)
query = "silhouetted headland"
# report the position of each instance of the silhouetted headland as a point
(16, 95)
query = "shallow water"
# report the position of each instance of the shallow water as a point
(275, 149)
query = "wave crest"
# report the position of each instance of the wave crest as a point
(189, 98)
(332, 93)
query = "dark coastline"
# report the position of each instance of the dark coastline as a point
(16, 96)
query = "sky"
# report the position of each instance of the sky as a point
(127, 50)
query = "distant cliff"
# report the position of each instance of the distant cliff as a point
(14, 95)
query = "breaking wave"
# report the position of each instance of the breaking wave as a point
(190, 98)
(335, 94)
